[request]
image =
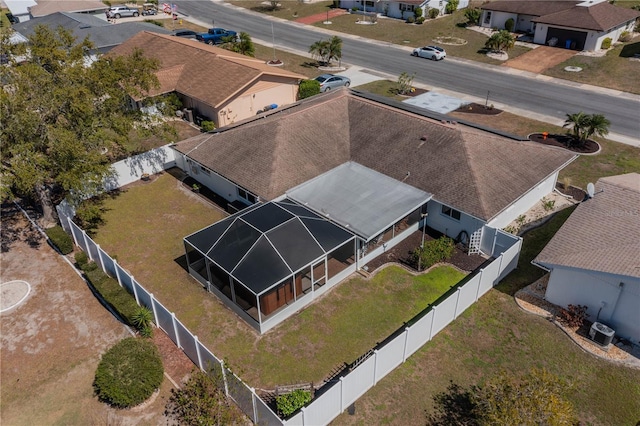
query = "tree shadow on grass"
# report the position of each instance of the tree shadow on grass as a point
(630, 50)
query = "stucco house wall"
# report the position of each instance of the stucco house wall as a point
(268, 91)
(493, 19)
(449, 226)
(621, 309)
(525, 202)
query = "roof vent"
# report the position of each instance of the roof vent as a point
(423, 137)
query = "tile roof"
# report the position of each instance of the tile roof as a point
(602, 234)
(473, 170)
(598, 17)
(535, 8)
(209, 74)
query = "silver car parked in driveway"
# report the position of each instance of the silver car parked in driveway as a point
(435, 53)
(330, 81)
(117, 12)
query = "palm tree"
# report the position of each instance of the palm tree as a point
(586, 125)
(598, 125)
(578, 123)
(243, 45)
(326, 50)
(501, 41)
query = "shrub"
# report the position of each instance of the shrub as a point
(287, 404)
(128, 373)
(625, 36)
(89, 214)
(81, 259)
(60, 239)
(418, 12)
(201, 402)
(113, 294)
(154, 22)
(452, 6)
(411, 19)
(509, 24)
(308, 88)
(433, 252)
(547, 205)
(606, 43)
(142, 318)
(573, 315)
(433, 13)
(473, 15)
(420, 20)
(207, 126)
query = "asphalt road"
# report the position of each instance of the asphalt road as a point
(540, 96)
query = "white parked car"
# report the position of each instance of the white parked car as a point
(117, 12)
(435, 53)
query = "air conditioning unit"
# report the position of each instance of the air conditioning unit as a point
(601, 334)
(188, 115)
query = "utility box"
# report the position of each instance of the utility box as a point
(601, 334)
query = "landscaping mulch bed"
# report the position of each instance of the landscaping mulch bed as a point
(402, 252)
(175, 362)
(474, 108)
(563, 141)
(576, 193)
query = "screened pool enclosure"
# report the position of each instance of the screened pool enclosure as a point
(270, 260)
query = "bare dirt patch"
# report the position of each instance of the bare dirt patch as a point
(52, 342)
(540, 59)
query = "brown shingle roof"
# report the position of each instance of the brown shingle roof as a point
(598, 17)
(208, 73)
(534, 8)
(473, 170)
(602, 234)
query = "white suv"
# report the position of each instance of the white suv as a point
(118, 12)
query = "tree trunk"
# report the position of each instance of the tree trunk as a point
(49, 214)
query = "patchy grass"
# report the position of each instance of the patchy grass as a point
(495, 335)
(338, 328)
(399, 32)
(290, 10)
(616, 70)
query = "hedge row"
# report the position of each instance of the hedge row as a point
(117, 297)
(60, 239)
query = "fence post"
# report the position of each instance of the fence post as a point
(253, 404)
(135, 291)
(117, 277)
(86, 244)
(433, 319)
(100, 257)
(195, 339)
(406, 340)
(75, 240)
(455, 312)
(303, 409)
(479, 284)
(175, 329)
(224, 378)
(341, 395)
(153, 308)
(499, 268)
(375, 367)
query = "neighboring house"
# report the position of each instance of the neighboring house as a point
(104, 35)
(371, 167)
(401, 9)
(567, 24)
(213, 83)
(594, 259)
(28, 9)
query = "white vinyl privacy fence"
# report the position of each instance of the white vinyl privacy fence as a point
(337, 395)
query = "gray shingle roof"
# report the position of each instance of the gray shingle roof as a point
(603, 233)
(472, 170)
(103, 34)
(529, 7)
(599, 17)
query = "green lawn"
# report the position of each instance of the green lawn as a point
(495, 335)
(338, 328)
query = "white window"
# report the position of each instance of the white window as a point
(247, 196)
(452, 213)
(407, 7)
(487, 17)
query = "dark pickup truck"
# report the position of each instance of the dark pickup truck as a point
(216, 36)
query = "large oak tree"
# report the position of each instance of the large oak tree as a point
(60, 114)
